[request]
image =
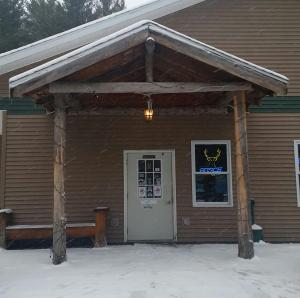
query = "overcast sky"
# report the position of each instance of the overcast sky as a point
(132, 3)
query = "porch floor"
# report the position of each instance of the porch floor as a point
(141, 271)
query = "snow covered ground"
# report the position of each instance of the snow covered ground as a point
(154, 271)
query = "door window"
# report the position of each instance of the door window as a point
(149, 180)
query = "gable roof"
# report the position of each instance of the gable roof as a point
(137, 34)
(87, 33)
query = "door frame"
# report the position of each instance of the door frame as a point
(125, 153)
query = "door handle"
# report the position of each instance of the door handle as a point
(169, 202)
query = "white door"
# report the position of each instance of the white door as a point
(149, 196)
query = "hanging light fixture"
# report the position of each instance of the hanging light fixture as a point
(148, 112)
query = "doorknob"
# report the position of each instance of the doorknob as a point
(169, 202)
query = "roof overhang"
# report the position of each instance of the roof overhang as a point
(79, 36)
(39, 77)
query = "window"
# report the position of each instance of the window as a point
(211, 171)
(297, 166)
(149, 180)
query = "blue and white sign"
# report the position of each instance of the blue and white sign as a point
(211, 170)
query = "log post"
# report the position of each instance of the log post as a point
(150, 47)
(3, 119)
(100, 231)
(59, 218)
(246, 249)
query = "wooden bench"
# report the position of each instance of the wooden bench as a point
(10, 232)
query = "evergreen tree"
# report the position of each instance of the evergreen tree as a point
(47, 17)
(83, 11)
(25, 21)
(44, 18)
(11, 31)
(107, 7)
(79, 12)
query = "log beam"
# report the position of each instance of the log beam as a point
(246, 249)
(59, 217)
(146, 87)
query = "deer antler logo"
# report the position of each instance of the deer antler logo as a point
(213, 159)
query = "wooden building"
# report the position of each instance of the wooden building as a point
(182, 176)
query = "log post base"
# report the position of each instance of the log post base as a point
(2, 230)
(100, 231)
(5, 216)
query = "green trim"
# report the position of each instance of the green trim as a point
(23, 106)
(278, 104)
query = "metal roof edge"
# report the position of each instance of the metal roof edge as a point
(86, 33)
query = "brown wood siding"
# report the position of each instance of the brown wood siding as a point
(272, 173)
(265, 32)
(95, 147)
(4, 86)
(29, 174)
(95, 168)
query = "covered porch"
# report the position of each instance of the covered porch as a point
(153, 92)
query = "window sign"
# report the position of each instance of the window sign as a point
(149, 181)
(211, 158)
(211, 173)
(297, 167)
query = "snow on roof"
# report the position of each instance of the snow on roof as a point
(78, 59)
(87, 33)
